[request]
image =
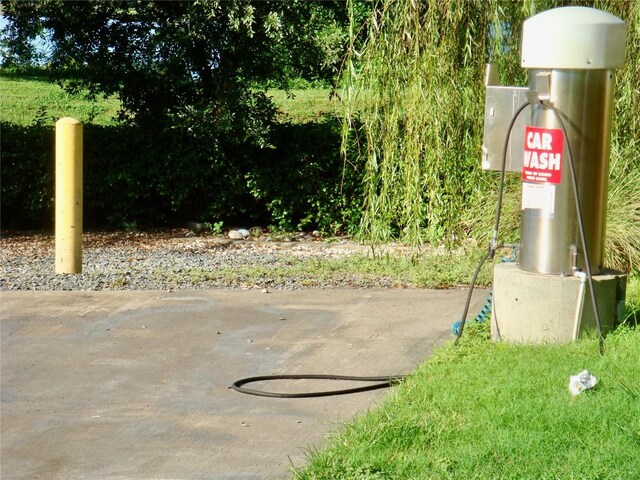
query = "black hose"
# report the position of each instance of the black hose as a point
(496, 226)
(583, 237)
(487, 254)
(386, 381)
(503, 167)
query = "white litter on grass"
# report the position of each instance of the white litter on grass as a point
(582, 381)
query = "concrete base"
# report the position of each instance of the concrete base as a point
(536, 308)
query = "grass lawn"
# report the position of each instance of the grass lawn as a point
(309, 105)
(493, 410)
(27, 98)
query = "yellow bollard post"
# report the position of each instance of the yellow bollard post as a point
(68, 196)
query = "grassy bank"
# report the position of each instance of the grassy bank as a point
(430, 270)
(493, 410)
(30, 99)
(308, 105)
(27, 100)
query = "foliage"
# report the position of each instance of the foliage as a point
(418, 82)
(27, 186)
(190, 45)
(198, 136)
(300, 179)
(132, 180)
(418, 74)
(187, 66)
(622, 241)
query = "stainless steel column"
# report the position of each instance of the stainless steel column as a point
(550, 240)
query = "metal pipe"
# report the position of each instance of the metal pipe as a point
(580, 305)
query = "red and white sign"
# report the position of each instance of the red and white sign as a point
(542, 155)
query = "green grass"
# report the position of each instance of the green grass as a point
(633, 299)
(433, 268)
(26, 100)
(494, 410)
(302, 106)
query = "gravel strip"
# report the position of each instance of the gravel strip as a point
(171, 261)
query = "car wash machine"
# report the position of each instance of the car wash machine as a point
(559, 130)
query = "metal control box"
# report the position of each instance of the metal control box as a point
(501, 105)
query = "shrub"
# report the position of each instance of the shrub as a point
(133, 178)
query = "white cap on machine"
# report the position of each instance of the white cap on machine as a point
(573, 38)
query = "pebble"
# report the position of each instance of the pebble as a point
(235, 235)
(177, 263)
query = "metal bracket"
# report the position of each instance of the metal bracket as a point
(543, 86)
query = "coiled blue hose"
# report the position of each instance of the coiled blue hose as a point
(486, 309)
